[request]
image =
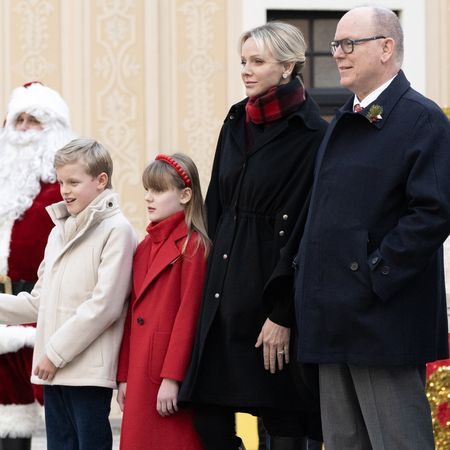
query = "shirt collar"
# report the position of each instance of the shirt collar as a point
(373, 95)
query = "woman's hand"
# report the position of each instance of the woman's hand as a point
(275, 341)
(45, 370)
(166, 401)
(121, 394)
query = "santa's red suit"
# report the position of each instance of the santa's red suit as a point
(27, 186)
(18, 410)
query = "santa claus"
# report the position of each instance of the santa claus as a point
(37, 124)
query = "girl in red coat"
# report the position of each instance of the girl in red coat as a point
(168, 272)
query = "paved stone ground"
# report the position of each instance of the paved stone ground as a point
(39, 441)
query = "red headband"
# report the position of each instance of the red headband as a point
(176, 166)
(27, 85)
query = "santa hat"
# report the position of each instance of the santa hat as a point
(39, 101)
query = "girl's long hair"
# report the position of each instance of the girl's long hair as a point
(161, 176)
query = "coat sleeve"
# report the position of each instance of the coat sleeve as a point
(407, 248)
(213, 201)
(22, 308)
(182, 336)
(106, 303)
(279, 289)
(278, 292)
(124, 354)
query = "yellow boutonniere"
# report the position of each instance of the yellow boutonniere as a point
(374, 114)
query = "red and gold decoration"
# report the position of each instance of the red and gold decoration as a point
(446, 110)
(438, 393)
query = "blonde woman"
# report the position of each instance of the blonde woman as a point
(256, 205)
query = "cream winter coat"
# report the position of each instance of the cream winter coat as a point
(79, 301)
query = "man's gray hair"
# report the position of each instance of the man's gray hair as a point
(387, 23)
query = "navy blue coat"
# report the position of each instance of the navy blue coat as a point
(370, 279)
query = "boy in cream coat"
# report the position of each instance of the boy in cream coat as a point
(79, 301)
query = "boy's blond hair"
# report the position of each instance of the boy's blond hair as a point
(91, 153)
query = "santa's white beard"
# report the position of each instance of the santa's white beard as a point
(26, 159)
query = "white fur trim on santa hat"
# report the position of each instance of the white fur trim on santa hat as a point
(20, 421)
(16, 337)
(40, 101)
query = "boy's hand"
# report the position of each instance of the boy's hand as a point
(166, 402)
(121, 394)
(45, 370)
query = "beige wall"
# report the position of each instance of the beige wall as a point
(140, 76)
(438, 76)
(437, 59)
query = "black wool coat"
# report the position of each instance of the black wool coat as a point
(256, 205)
(370, 281)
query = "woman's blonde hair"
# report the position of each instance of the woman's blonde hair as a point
(284, 41)
(161, 176)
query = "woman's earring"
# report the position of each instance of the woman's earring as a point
(285, 75)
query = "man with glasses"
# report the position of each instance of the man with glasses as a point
(370, 298)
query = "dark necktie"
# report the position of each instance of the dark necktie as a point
(357, 108)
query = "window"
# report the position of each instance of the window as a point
(320, 72)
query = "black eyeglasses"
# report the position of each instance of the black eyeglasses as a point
(348, 45)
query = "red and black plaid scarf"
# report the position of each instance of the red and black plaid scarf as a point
(277, 102)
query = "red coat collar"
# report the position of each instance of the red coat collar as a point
(170, 251)
(162, 230)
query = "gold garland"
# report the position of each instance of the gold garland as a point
(438, 393)
(446, 110)
(438, 390)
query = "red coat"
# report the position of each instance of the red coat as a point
(159, 335)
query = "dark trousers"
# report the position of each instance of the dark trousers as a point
(15, 444)
(375, 408)
(217, 429)
(264, 439)
(76, 417)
